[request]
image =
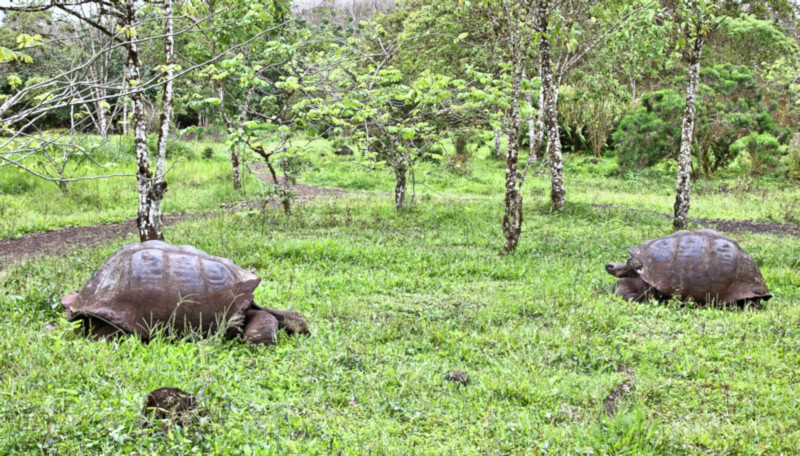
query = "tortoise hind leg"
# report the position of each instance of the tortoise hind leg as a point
(260, 327)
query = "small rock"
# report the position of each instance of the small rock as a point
(170, 403)
(51, 327)
(457, 376)
(344, 150)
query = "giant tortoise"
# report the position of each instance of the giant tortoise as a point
(151, 285)
(702, 266)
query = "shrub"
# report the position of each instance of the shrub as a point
(208, 153)
(731, 105)
(463, 147)
(175, 148)
(650, 133)
(763, 149)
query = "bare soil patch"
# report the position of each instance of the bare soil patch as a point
(65, 240)
(729, 226)
(624, 389)
(748, 226)
(55, 242)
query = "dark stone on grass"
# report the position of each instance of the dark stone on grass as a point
(457, 376)
(702, 266)
(147, 287)
(344, 150)
(170, 404)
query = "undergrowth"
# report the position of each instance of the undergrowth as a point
(395, 302)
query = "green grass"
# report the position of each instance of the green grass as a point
(396, 301)
(29, 204)
(589, 181)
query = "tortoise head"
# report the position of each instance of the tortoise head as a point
(621, 270)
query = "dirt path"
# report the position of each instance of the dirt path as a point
(747, 226)
(729, 226)
(67, 239)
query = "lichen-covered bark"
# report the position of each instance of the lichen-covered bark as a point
(512, 218)
(400, 170)
(159, 185)
(558, 193)
(535, 129)
(143, 173)
(237, 175)
(497, 151)
(284, 191)
(681, 214)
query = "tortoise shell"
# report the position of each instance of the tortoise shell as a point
(700, 265)
(143, 286)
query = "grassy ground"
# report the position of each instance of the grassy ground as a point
(29, 204)
(396, 301)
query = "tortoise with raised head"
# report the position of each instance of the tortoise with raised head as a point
(703, 266)
(146, 286)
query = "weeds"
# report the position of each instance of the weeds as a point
(395, 302)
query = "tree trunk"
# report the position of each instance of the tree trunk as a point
(237, 175)
(558, 193)
(148, 225)
(512, 218)
(535, 130)
(497, 151)
(400, 170)
(531, 123)
(143, 174)
(159, 186)
(681, 216)
(125, 113)
(284, 192)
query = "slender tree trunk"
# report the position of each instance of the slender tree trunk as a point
(159, 186)
(72, 118)
(99, 74)
(143, 174)
(102, 123)
(237, 175)
(400, 170)
(236, 172)
(535, 129)
(150, 189)
(125, 111)
(558, 193)
(284, 192)
(497, 140)
(685, 159)
(512, 218)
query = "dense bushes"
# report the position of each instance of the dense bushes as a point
(732, 105)
(763, 150)
(650, 133)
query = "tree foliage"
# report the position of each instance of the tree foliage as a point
(732, 104)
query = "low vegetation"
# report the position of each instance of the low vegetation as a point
(396, 301)
(373, 162)
(29, 204)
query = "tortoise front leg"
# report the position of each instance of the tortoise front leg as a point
(633, 289)
(291, 322)
(260, 327)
